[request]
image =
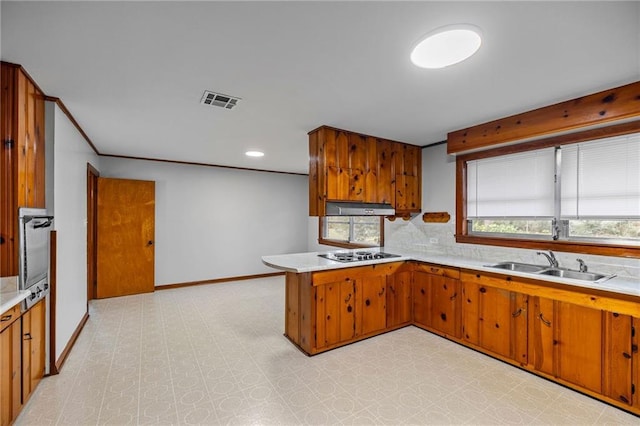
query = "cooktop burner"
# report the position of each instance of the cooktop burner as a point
(350, 256)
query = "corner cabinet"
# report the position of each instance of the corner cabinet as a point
(348, 166)
(22, 157)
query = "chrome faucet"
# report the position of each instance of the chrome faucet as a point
(583, 266)
(551, 258)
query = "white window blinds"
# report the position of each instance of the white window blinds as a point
(601, 178)
(515, 185)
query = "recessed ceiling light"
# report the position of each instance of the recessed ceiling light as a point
(446, 46)
(254, 154)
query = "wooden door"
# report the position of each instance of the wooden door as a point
(335, 313)
(399, 298)
(125, 246)
(371, 302)
(618, 357)
(92, 231)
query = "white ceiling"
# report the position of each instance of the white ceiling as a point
(133, 73)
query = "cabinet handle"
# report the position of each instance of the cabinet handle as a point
(6, 318)
(392, 290)
(27, 336)
(544, 321)
(346, 299)
(518, 313)
(454, 296)
(381, 292)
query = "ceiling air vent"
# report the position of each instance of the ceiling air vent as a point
(218, 99)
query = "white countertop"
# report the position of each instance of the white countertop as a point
(11, 298)
(311, 262)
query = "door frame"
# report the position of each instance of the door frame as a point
(92, 230)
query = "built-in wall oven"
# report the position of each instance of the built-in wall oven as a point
(35, 227)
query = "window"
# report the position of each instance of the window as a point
(351, 231)
(579, 193)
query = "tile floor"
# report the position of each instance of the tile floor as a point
(215, 354)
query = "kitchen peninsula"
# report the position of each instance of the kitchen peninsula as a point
(577, 333)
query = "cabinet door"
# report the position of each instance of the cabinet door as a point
(385, 188)
(445, 302)
(422, 298)
(541, 335)
(579, 337)
(5, 376)
(335, 313)
(33, 339)
(618, 357)
(566, 340)
(372, 304)
(399, 298)
(495, 320)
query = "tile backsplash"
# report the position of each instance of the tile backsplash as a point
(439, 238)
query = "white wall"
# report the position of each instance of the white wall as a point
(217, 223)
(69, 158)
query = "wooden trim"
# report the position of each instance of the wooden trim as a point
(92, 230)
(53, 271)
(26, 74)
(609, 105)
(553, 141)
(218, 280)
(191, 163)
(71, 118)
(71, 342)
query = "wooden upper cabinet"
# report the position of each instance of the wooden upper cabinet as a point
(348, 166)
(22, 157)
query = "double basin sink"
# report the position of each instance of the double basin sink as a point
(551, 271)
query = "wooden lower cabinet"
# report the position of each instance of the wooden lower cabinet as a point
(567, 341)
(585, 339)
(33, 350)
(22, 358)
(328, 309)
(335, 313)
(495, 320)
(619, 354)
(399, 298)
(436, 299)
(10, 368)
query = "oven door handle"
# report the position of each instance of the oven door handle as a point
(44, 224)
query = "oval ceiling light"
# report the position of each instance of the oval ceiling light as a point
(446, 46)
(254, 154)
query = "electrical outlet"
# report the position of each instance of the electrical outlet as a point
(433, 240)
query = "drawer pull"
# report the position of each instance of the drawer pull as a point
(381, 291)
(435, 270)
(27, 336)
(544, 321)
(6, 318)
(517, 313)
(346, 299)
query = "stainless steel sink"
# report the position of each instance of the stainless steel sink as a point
(554, 272)
(518, 267)
(576, 275)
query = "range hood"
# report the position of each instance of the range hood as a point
(334, 208)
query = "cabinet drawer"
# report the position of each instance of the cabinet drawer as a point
(438, 270)
(9, 317)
